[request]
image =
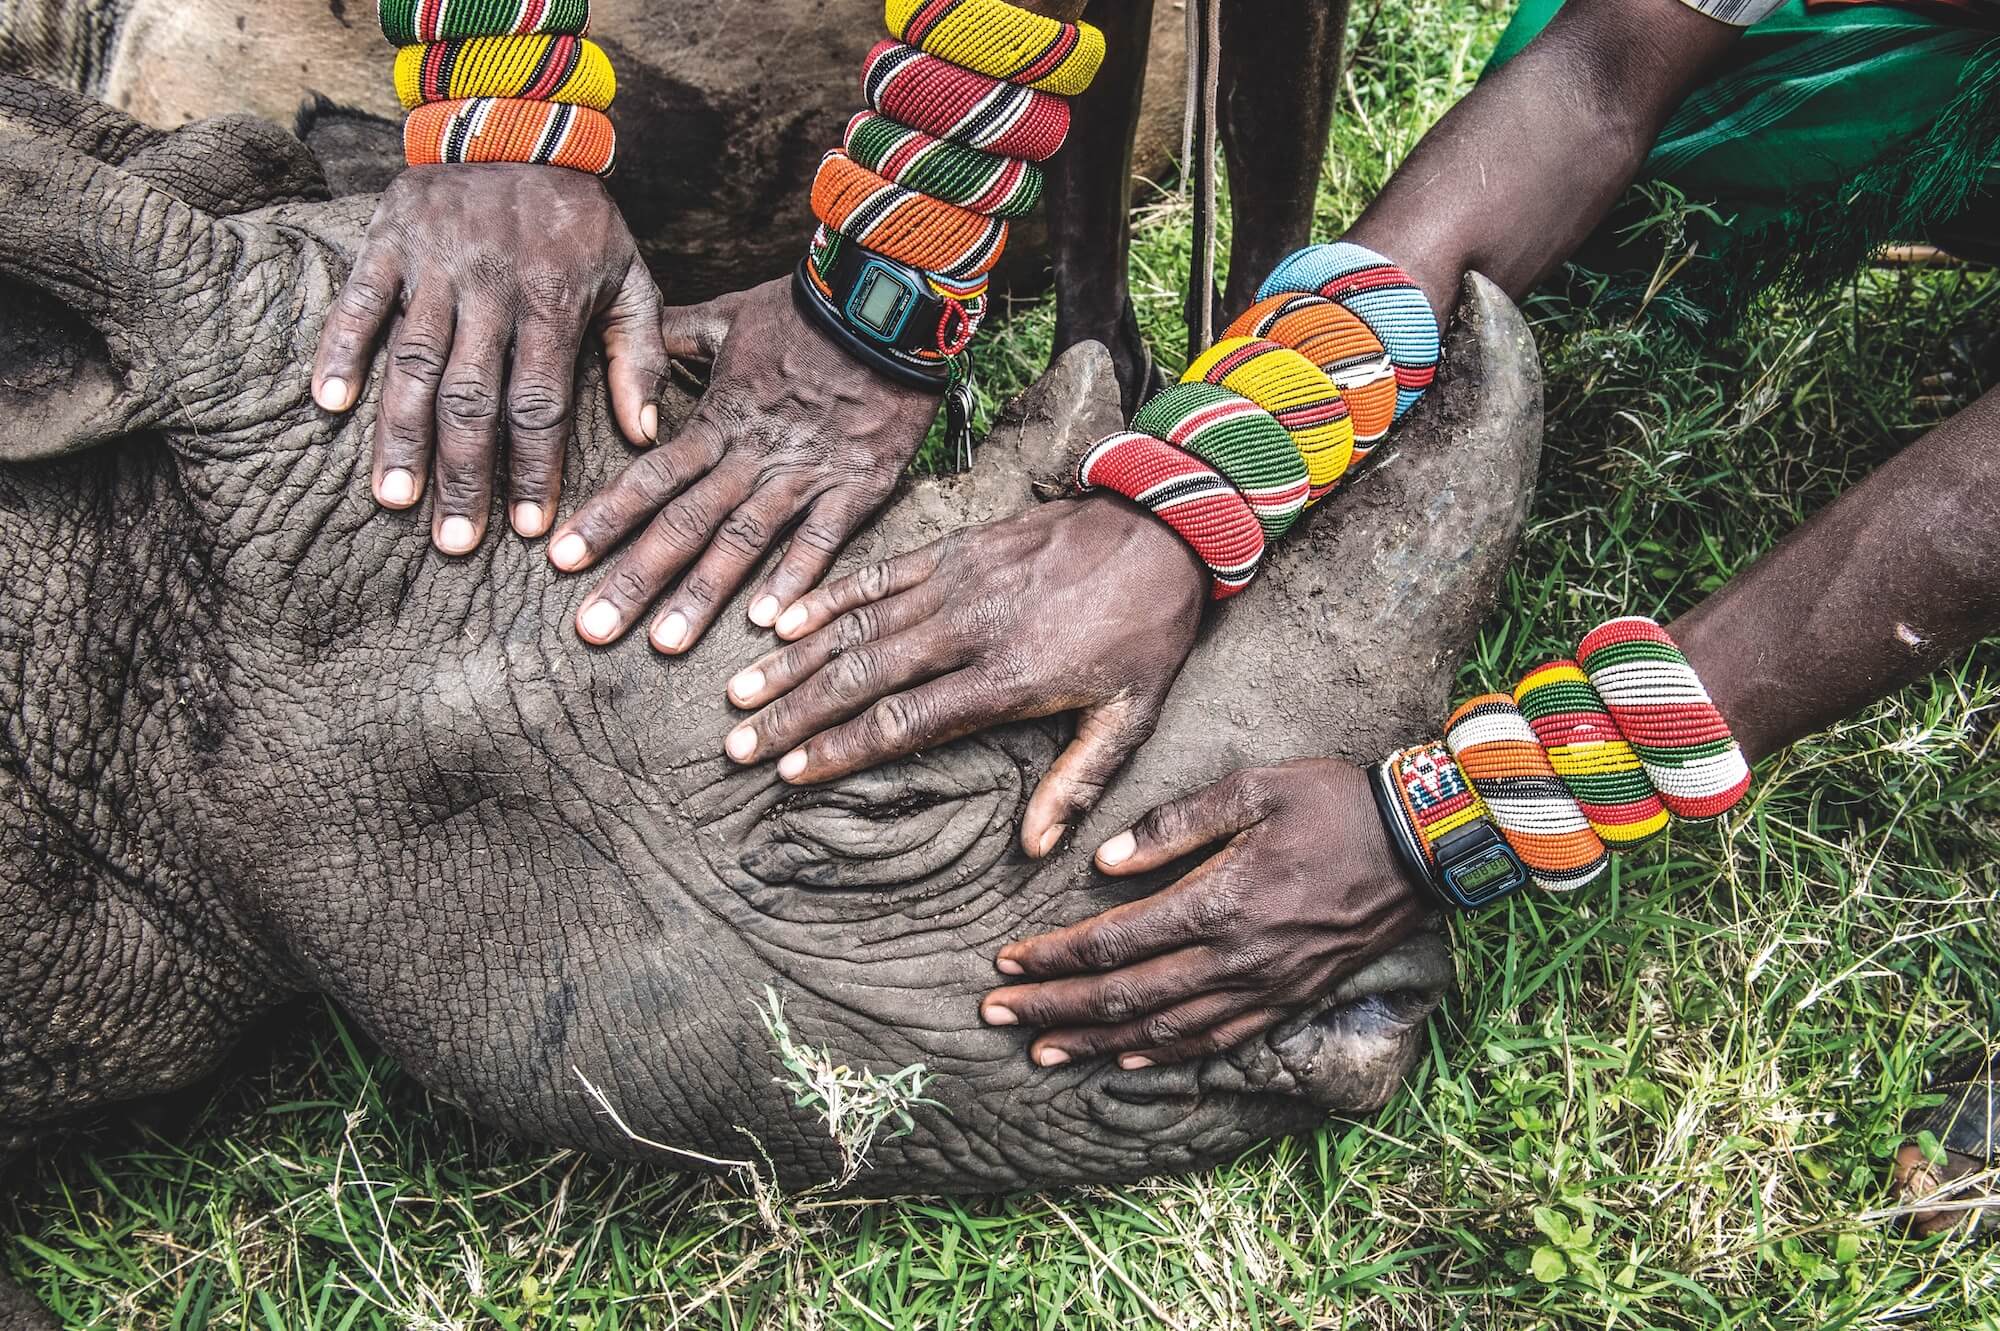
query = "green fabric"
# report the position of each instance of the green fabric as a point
(1828, 133)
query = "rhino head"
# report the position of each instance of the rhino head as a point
(260, 739)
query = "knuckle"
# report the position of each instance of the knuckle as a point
(897, 720)
(1117, 1000)
(744, 534)
(855, 627)
(1216, 912)
(549, 289)
(1160, 1030)
(536, 406)
(699, 590)
(852, 675)
(818, 536)
(460, 488)
(467, 402)
(1100, 950)
(419, 353)
(630, 583)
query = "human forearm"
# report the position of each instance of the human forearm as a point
(1520, 172)
(1893, 579)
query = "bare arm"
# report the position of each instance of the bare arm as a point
(1522, 170)
(1893, 579)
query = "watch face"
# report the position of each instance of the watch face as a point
(1485, 876)
(880, 303)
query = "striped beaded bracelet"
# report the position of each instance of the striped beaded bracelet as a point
(976, 110)
(1188, 496)
(1002, 41)
(908, 227)
(1381, 294)
(405, 22)
(950, 172)
(1240, 440)
(1589, 753)
(1344, 348)
(1503, 760)
(1662, 710)
(567, 69)
(1295, 392)
(499, 129)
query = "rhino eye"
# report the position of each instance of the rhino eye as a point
(941, 819)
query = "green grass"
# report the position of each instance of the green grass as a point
(1673, 1095)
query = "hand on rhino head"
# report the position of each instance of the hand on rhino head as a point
(397, 779)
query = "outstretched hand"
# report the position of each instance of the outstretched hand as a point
(1302, 890)
(791, 428)
(491, 275)
(1085, 605)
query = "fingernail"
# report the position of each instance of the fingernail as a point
(397, 488)
(568, 551)
(792, 764)
(1007, 966)
(671, 632)
(1052, 1058)
(1118, 849)
(455, 536)
(789, 622)
(599, 621)
(747, 685)
(1049, 839)
(1133, 1062)
(742, 742)
(332, 395)
(528, 518)
(993, 1014)
(763, 610)
(649, 421)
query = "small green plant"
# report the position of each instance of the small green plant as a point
(854, 1103)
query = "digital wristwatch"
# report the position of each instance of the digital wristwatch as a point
(884, 313)
(1470, 866)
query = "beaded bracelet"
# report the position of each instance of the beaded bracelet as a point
(1381, 294)
(497, 129)
(1002, 41)
(540, 69)
(1300, 398)
(1188, 496)
(1583, 759)
(951, 172)
(1343, 347)
(405, 22)
(975, 110)
(908, 227)
(1240, 440)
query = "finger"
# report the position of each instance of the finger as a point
(669, 544)
(646, 486)
(346, 342)
(1155, 1031)
(832, 520)
(783, 670)
(1182, 826)
(869, 674)
(468, 430)
(1216, 1039)
(697, 332)
(539, 417)
(635, 354)
(407, 425)
(1170, 918)
(872, 583)
(739, 543)
(1115, 998)
(897, 726)
(1105, 737)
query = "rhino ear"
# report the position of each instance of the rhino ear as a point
(89, 260)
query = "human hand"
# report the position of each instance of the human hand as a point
(497, 272)
(1305, 891)
(1084, 605)
(791, 427)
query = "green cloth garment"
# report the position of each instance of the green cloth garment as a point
(1830, 132)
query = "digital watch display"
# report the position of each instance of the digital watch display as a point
(1470, 866)
(881, 302)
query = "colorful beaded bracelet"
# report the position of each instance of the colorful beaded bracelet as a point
(567, 69)
(1590, 755)
(1188, 496)
(1662, 710)
(1503, 760)
(976, 110)
(1002, 41)
(1434, 797)
(1240, 440)
(902, 224)
(979, 181)
(491, 129)
(1343, 347)
(405, 22)
(1381, 294)
(1299, 397)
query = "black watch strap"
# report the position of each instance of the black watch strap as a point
(1402, 838)
(875, 357)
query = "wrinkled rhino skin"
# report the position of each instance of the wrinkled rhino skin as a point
(722, 112)
(260, 739)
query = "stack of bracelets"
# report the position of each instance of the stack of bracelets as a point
(964, 101)
(1338, 348)
(501, 81)
(1589, 755)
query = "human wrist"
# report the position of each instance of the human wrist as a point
(1143, 547)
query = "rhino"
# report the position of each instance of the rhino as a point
(260, 740)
